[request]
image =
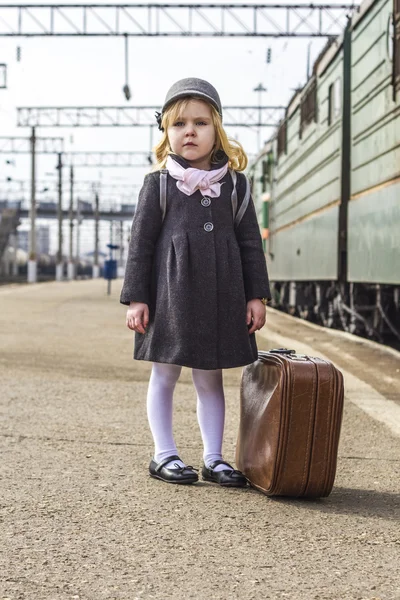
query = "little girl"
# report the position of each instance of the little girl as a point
(196, 281)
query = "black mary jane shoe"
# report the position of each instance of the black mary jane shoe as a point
(227, 478)
(181, 475)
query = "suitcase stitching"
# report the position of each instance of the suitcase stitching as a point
(334, 438)
(307, 461)
(280, 464)
(329, 438)
(284, 445)
(326, 449)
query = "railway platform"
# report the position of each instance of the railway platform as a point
(81, 518)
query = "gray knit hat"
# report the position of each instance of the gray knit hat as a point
(191, 86)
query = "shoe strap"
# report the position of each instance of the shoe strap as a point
(235, 473)
(220, 462)
(165, 462)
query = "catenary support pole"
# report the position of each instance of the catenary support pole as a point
(14, 265)
(111, 253)
(121, 265)
(71, 265)
(78, 236)
(60, 264)
(96, 268)
(32, 261)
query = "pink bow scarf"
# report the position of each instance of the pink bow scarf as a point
(189, 180)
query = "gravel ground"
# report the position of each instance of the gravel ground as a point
(81, 518)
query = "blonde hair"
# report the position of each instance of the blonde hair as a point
(237, 158)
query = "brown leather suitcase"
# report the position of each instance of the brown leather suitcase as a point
(290, 419)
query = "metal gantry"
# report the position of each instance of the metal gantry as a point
(17, 191)
(79, 158)
(23, 145)
(109, 159)
(15, 186)
(135, 116)
(174, 20)
(82, 212)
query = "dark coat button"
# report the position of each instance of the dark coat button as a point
(208, 226)
(205, 201)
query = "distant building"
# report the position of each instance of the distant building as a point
(128, 208)
(85, 206)
(9, 204)
(47, 207)
(23, 240)
(42, 240)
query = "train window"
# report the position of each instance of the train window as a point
(282, 138)
(308, 107)
(334, 101)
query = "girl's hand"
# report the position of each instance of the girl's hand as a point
(137, 316)
(255, 312)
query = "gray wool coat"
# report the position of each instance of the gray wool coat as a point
(196, 280)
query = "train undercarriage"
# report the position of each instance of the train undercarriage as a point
(368, 310)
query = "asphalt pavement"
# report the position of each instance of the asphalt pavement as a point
(82, 520)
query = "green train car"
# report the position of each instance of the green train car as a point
(327, 184)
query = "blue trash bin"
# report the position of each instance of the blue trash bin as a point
(110, 269)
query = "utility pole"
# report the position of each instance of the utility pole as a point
(60, 264)
(32, 262)
(78, 236)
(14, 244)
(96, 268)
(71, 266)
(120, 271)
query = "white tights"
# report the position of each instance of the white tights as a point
(210, 410)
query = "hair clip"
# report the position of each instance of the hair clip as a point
(159, 119)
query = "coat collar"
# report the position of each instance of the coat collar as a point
(222, 159)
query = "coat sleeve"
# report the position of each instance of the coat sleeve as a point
(255, 275)
(145, 230)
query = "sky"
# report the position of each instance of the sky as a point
(91, 71)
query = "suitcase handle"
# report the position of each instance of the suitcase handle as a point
(282, 351)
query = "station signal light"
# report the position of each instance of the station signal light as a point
(268, 55)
